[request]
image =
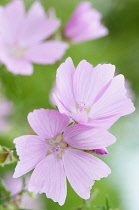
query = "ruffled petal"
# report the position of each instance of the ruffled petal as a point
(60, 105)
(85, 24)
(64, 84)
(37, 26)
(90, 83)
(46, 53)
(49, 177)
(87, 138)
(82, 169)
(48, 123)
(31, 150)
(21, 67)
(10, 24)
(36, 11)
(111, 105)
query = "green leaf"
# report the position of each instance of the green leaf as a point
(108, 206)
(100, 207)
(4, 194)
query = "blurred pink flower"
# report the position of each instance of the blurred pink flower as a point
(22, 38)
(91, 95)
(15, 186)
(6, 108)
(53, 159)
(85, 24)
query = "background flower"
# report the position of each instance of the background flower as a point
(15, 187)
(22, 39)
(84, 24)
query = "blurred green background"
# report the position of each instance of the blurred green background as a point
(120, 47)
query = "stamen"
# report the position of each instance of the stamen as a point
(56, 146)
(81, 107)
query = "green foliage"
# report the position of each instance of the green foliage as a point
(8, 202)
(4, 194)
(87, 204)
(107, 206)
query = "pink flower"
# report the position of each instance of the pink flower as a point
(6, 109)
(15, 186)
(85, 24)
(51, 155)
(91, 95)
(22, 38)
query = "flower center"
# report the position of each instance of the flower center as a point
(17, 51)
(81, 107)
(57, 146)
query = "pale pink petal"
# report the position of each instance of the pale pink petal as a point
(21, 67)
(85, 24)
(31, 150)
(46, 53)
(14, 186)
(74, 26)
(14, 65)
(60, 105)
(36, 11)
(49, 177)
(82, 169)
(93, 31)
(15, 9)
(37, 30)
(48, 123)
(64, 84)
(81, 82)
(90, 83)
(37, 26)
(112, 105)
(101, 76)
(88, 138)
(9, 22)
(80, 117)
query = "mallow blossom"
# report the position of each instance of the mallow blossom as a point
(91, 95)
(102, 151)
(15, 187)
(53, 155)
(84, 24)
(22, 37)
